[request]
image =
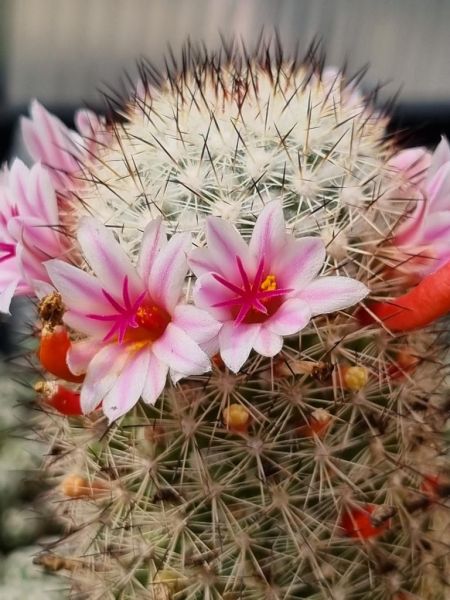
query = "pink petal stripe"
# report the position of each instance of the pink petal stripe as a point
(197, 323)
(168, 273)
(269, 233)
(127, 388)
(153, 240)
(412, 162)
(437, 229)
(441, 155)
(80, 290)
(91, 327)
(80, 355)
(438, 190)
(155, 380)
(177, 350)
(236, 343)
(107, 258)
(292, 316)
(328, 294)
(267, 343)
(103, 371)
(224, 244)
(299, 263)
(208, 292)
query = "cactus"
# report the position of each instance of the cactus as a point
(313, 468)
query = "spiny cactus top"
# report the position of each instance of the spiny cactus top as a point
(239, 279)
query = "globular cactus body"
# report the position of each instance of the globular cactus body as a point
(316, 471)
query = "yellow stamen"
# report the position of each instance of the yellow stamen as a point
(269, 284)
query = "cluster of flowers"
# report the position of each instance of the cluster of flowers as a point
(135, 324)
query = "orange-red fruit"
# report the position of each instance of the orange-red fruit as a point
(75, 486)
(357, 522)
(63, 399)
(430, 486)
(317, 423)
(53, 348)
(423, 304)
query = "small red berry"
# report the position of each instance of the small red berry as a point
(53, 348)
(366, 521)
(59, 397)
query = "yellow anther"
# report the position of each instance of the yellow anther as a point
(269, 284)
(355, 378)
(236, 417)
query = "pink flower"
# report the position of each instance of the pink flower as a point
(60, 149)
(424, 236)
(30, 231)
(136, 327)
(266, 290)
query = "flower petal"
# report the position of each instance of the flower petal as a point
(292, 316)
(207, 292)
(299, 263)
(412, 162)
(128, 386)
(224, 245)
(77, 287)
(7, 291)
(236, 343)
(328, 294)
(153, 240)
(177, 350)
(80, 355)
(269, 233)
(107, 258)
(197, 323)
(155, 380)
(169, 271)
(441, 155)
(438, 190)
(267, 343)
(103, 371)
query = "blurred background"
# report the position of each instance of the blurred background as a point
(63, 51)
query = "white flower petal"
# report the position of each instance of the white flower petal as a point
(267, 343)
(236, 343)
(180, 352)
(103, 371)
(197, 323)
(153, 240)
(107, 258)
(292, 316)
(127, 388)
(269, 233)
(169, 271)
(299, 262)
(328, 294)
(155, 380)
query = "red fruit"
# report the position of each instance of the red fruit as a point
(422, 305)
(317, 423)
(63, 399)
(53, 348)
(430, 486)
(365, 522)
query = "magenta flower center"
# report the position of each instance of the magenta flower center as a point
(138, 322)
(7, 251)
(254, 301)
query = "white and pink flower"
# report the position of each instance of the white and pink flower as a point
(30, 230)
(265, 290)
(60, 149)
(136, 326)
(424, 237)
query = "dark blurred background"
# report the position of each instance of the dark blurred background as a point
(63, 51)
